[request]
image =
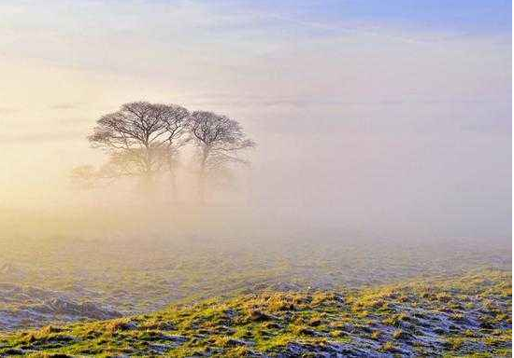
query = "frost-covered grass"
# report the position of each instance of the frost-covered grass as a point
(454, 316)
(133, 274)
(136, 274)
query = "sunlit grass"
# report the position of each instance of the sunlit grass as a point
(429, 317)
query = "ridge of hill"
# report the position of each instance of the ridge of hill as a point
(456, 316)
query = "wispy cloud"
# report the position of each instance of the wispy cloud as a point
(65, 106)
(40, 137)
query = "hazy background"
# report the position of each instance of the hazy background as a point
(392, 118)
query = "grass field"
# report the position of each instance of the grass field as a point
(232, 290)
(460, 316)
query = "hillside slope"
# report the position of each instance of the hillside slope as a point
(24, 305)
(453, 316)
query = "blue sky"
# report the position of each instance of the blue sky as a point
(472, 15)
(455, 17)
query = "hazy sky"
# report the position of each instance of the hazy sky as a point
(392, 112)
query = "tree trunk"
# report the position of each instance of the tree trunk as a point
(173, 180)
(202, 177)
(148, 184)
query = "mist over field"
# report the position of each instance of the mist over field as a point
(264, 179)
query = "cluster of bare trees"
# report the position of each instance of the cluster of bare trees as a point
(144, 141)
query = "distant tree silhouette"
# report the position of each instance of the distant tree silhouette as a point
(141, 140)
(219, 141)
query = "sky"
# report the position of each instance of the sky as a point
(381, 114)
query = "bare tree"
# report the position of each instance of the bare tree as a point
(141, 139)
(219, 141)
